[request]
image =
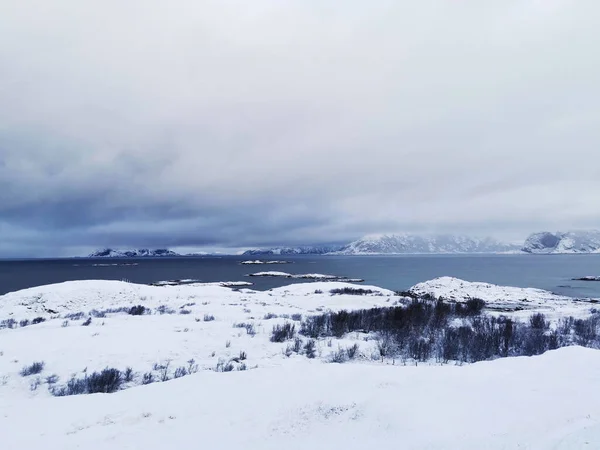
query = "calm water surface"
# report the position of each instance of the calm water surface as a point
(551, 272)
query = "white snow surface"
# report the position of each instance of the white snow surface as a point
(550, 401)
(545, 402)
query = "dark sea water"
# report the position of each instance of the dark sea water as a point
(550, 272)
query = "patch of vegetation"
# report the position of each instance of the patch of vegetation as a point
(435, 330)
(351, 291)
(282, 333)
(106, 381)
(33, 369)
(137, 310)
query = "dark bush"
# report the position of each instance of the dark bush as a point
(38, 320)
(180, 372)
(87, 322)
(148, 378)
(34, 369)
(107, 381)
(209, 317)
(352, 352)
(52, 379)
(8, 323)
(340, 356)
(351, 291)
(74, 316)
(538, 321)
(137, 310)
(282, 333)
(128, 375)
(310, 349)
(24, 323)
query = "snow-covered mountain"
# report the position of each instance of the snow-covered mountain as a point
(563, 242)
(305, 250)
(407, 243)
(142, 252)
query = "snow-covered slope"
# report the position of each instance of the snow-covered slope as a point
(563, 242)
(143, 252)
(283, 400)
(521, 301)
(407, 243)
(550, 401)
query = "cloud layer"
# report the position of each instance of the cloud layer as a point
(233, 124)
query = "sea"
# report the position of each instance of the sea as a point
(398, 272)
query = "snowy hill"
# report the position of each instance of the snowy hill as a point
(407, 243)
(563, 242)
(143, 252)
(305, 250)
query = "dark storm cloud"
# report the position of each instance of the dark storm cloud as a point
(212, 124)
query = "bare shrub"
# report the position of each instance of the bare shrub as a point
(137, 310)
(282, 333)
(33, 369)
(310, 349)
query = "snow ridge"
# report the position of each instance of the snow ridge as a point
(408, 243)
(563, 242)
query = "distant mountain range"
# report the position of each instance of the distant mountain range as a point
(408, 243)
(142, 252)
(396, 244)
(305, 250)
(563, 242)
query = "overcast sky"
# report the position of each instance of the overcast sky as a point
(215, 124)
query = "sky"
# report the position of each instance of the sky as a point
(233, 124)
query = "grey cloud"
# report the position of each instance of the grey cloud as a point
(213, 125)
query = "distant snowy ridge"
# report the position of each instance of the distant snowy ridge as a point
(502, 299)
(304, 250)
(408, 243)
(142, 252)
(563, 242)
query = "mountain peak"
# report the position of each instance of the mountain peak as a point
(563, 242)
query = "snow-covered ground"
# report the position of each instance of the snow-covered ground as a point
(502, 299)
(544, 402)
(283, 399)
